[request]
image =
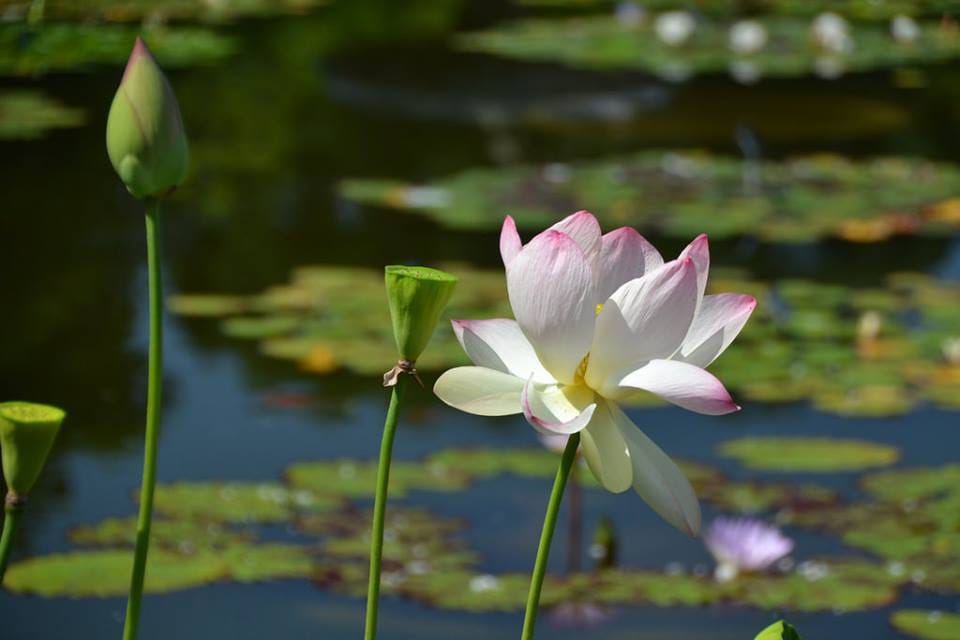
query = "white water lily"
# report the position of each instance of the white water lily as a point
(601, 318)
(674, 28)
(747, 37)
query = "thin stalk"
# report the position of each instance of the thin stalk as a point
(576, 522)
(10, 522)
(154, 390)
(546, 536)
(380, 507)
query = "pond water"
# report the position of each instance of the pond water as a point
(305, 102)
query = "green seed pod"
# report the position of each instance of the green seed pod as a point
(417, 296)
(145, 137)
(27, 432)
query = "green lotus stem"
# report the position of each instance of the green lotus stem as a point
(154, 390)
(10, 522)
(380, 507)
(546, 536)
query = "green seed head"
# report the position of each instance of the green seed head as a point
(27, 432)
(145, 138)
(417, 297)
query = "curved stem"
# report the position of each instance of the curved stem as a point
(380, 507)
(10, 522)
(154, 390)
(546, 536)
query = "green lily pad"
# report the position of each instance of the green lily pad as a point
(103, 574)
(236, 502)
(778, 631)
(353, 479)
(913, 484)
(757, 497)
(29, 51)
(927, 625)
(679, 194)
(259, 563)
(603, 42)
(28, 114)
(162, 10)
(184, 536)
(819, 455)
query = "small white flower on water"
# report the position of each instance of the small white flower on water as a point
(597, 551)
(828, 67)
(599, 320)
(831, 32)
(951, 350)
(744, 545)
(630, 14)
(479, 584)
(813, 571)
(869, 326)
(896, 569)
(904, 29)
(747, 37)
(745, 71)
(674, 28)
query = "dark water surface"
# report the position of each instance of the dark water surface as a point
(273, 130)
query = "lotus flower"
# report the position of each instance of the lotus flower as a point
(600, 319)
(744, 545)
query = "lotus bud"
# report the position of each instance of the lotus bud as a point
(27, 432)
(145, 137)
(417, 297)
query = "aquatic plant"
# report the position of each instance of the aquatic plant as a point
(148, 148)
(27, 432)
(778, 631)
(744, 545)
(599, 318)
(417, 296)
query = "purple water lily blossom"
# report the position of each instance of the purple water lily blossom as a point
(744, 545)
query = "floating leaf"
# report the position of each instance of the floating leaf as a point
(185, 536)
(808, 454)
(354, 479)
(236, 502)
(28, 115)
(927, 625)
(162, 10)
(258, 563)
(103, 574)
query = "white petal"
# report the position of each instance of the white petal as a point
(657, 478)
(683, 384)
(481, 391)
(624, 255)
(550, 286)
(510, 243)
(644, 319)
(699, 252)
(718, 321)
(605, 451)
(500, 344)
(557, 409)
(585, 231)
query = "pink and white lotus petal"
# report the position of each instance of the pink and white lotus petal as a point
(584, 229)
(605, 451)
(500, 344)
(624, 256)
(683, 384)
(657, 479)
(644, 319)
(510, 243)
(699, 252)
(550, 285)
(557, 409)
(480, 391)
(719, 320)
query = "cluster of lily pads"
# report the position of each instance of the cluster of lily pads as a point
(851, 351)
(207, 532)
(680, 194)
(676, 45)
(155, 10)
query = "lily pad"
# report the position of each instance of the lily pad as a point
(29, 51)
(185, 536)
(162, 10)
(683, 193)
(259, 563)
(818, 455)
(27, 115)
(605, 42)
(927, 625)
(236, 502)
(106, 574)
(353, 479)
